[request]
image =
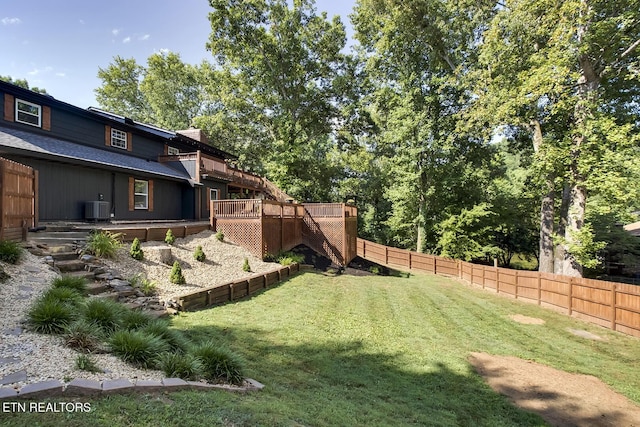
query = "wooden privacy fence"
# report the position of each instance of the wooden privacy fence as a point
(18, 201)
(235, 290)
(268, 227)
(612, 305)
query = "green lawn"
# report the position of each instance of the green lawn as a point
(369, 351)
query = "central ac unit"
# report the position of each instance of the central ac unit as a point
(96, 210)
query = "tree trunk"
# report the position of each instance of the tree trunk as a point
(421, 230)
(575, 221)
(559, 250)
(545, 259)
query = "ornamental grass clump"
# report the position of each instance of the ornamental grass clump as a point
(64, 295)
(138, 348)
(71, 282)
(176, 275)
(219, 364)
(83, 335)
(135, 319)
(180, 365)
(136, 251)
(245, 266)
(174, 338)
(104, 313)
(199, 254)
(220, 236)
(10, 252)
(103, 244)
(51, 316)
(169, 238)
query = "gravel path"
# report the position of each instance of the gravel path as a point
(27, 357)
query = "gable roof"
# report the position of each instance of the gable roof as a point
(18, 142)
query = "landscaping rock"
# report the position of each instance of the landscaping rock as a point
(16, 377)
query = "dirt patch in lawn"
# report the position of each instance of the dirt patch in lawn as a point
(526, 320)
(561, 398)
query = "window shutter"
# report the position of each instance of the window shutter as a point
(46, 118)
(129, 141)
(131, 193)
(107, 138)
(8, 107)
(150, 200)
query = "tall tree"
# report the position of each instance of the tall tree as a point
(417, 53)
(23, 83)
(120, 90)
(277, 65)
(565, 70)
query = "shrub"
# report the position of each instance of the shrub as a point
(135, 319)
(103, 244)
(64, 295)
(136, 251)
(10, 252)
(169, 238)
(219, 364)
(104, 313)
(83, 335)
(137, 347)
(220, 236)
(173, 337)
(288, 258)
(175, 365)
(51, 316)
(71, 282)
(199, 254)
(245, 266)
(176, 274)
(86, 363)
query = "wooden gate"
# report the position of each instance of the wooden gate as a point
(18, 200)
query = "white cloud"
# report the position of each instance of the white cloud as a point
(61, 74)
(126, 40)
(37, 71)
(115, 31)
(145, 37)
(11, 21)
(81, 21)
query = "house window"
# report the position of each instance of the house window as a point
(118, 139)
(171, 151)
(141, 194)
(213, 194)
(28, 113)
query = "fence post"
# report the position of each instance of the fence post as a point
(539, 288)
(571, 281)
(386, 255)
(613, 307)
(516, 284)
(231, 292)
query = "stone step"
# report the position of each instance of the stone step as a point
(107, 295)
(70, 265)
(81, 273)
(95, 288)
(64, 256)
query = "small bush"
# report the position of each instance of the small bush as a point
(288, 258)
(136, 251)
(245, 266)
(103, 244)
(219, 364)
(137, 347)
(71, 282)
(104, 313)
(51, 316)
(86, 363)
(199, 254)
(169, 238)
(173, 337)
(83, 335)
(176, 275)
(175, 365)
(135, 319)
(10, 252)
(64, 295)
(220, 236)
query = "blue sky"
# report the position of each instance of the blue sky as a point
(60, 44)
